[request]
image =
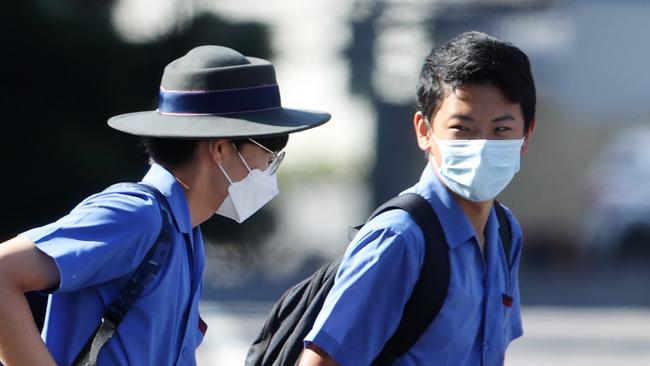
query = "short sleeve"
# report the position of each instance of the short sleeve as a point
(372, 286)
(103, 238)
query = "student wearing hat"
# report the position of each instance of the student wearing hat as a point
(215, 143)
(475, 119)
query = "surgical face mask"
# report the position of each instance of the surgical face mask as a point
(478, 170)
(249, 194)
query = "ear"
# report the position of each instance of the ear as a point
(217, 149)
(422, 131)
(527, 136)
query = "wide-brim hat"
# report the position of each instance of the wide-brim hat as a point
(213, 92)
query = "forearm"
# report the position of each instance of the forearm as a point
(22, 268)
(20, 342)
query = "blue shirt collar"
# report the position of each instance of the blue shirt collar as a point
(455, 224)
(166, 183)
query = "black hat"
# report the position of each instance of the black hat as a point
(215, 91)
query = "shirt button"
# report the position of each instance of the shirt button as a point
(184, 352)
(485, 345)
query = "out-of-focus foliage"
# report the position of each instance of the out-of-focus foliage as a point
(64, 73)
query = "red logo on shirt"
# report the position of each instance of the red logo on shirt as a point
(203, 326)
(507, 300)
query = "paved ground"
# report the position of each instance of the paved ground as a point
(583, 336)
(554, 335)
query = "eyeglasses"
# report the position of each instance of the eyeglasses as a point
(275, 160)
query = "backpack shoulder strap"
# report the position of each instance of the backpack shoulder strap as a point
(505, 231)
(141, 278)
(430, 290)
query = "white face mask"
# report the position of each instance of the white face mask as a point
(249, 194)
(478, 170)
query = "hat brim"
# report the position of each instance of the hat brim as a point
(256, 124)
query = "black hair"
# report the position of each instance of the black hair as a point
(273, 143)
(175, 152)
(476, 58)
(170, 152)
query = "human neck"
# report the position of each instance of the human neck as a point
(198, 194)
(477, 213)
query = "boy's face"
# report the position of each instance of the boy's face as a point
(472, 112)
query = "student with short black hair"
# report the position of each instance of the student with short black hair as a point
(215, 143)
(475, 118)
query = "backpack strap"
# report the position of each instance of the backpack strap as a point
(141, 278)
(422, 307)
(505, 231)
(430, 290)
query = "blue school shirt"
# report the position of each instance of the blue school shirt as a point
(96, 247)
(380, 268)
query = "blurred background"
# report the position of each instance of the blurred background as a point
(582, 197)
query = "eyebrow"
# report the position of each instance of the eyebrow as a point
(505, 117)
(462, 117)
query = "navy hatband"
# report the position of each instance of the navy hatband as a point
(217, 102)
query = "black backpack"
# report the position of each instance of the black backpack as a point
(280, 341)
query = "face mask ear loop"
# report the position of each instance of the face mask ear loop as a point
(226, 174)
(219, 164)
(435, 163)
(244, 161)
(242, 158)
(430, 130)
(428, 123)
